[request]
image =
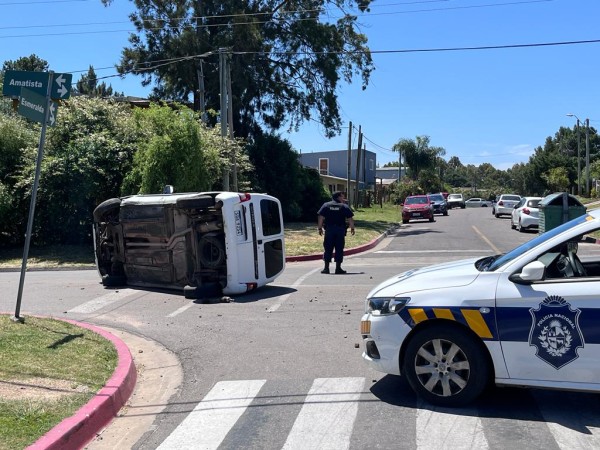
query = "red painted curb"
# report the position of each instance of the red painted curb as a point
(350, 251)
(79, 429)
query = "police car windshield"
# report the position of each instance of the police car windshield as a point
(491, 263)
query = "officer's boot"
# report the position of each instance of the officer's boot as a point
(326, 269)
(338, 269)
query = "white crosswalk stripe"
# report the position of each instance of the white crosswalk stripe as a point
(448, 430)
(327, 417)
(249, 414)
(210, 421)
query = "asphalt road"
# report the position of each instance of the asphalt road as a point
(280, 368)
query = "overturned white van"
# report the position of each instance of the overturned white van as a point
(204, 243)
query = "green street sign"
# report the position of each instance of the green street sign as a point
(33, 106)
(61, 86)
(37, 82)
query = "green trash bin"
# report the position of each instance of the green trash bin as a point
(559, 208)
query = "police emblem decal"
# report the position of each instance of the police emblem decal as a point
(555, 332)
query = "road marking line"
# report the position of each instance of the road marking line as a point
(486, 240)
(443, 428)
(297, 283)
(180, 310)
(432, 251)
(327, 417)
(210, 421)
(100, 302)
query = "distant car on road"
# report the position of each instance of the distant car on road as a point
(417, 207)
(526, 214)
(506, 204)
(440, 206)
(455, 201)
(476, 202)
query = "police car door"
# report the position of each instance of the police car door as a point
(550, 330)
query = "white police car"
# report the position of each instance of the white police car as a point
(530, 317)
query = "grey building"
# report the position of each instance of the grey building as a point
(333, 168)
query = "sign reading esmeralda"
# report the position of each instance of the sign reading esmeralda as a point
(33, 106)
(37, 82)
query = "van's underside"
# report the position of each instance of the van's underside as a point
(176, 245)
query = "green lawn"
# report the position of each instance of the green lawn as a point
(48, 370)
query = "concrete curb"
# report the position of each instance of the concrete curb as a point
(79, 429)
(347, 252)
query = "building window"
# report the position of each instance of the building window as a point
(324, 166)
(371, 164)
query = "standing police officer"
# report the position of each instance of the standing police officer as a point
(332, 216)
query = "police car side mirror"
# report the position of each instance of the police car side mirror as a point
(534, 271)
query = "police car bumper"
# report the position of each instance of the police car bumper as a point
(382, 338)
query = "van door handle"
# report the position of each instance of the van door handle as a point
(260, 241)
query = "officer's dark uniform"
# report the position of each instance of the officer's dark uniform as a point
(335, 215)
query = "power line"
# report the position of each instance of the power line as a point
(244, 15)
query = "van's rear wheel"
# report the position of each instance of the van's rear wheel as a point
(211, 251)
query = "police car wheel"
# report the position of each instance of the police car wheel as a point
(446, 366)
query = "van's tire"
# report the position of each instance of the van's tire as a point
(211, 251)
(107, 206)
(204, 201)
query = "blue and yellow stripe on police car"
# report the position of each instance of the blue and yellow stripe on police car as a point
(481, 324)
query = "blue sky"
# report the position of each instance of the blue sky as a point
(493, 106)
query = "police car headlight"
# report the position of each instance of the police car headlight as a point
(384, 306)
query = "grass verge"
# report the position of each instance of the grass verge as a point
(48, 370)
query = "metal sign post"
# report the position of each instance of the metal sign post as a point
(36, 181)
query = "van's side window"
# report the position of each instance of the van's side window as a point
(271, 221)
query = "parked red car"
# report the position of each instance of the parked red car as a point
(417, 207)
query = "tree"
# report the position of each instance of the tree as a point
(86, 156)
(287, 58)
(31, 63)
(88, 85)
(557, 179)
(18, 141)
(177, 149)
(418, 155)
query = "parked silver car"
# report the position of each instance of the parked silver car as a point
(505, 205)
(476, 202)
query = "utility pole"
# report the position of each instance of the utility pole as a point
(201, 91)
(348, 193)
(223, 114)
(357, 179)
(399, 165)
(587, 158)
(230, 122)
(578, 161)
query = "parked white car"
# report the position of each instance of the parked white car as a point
(526, 214)
(204, 243)
(528, 317)
(476, 202)
(505, 204)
